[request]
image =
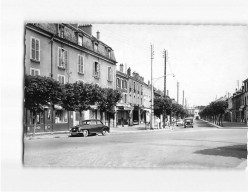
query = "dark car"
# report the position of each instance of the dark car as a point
(188, 122)
(88, 127)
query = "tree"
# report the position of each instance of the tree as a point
(109, 99)
(79, 96)
(39, 92)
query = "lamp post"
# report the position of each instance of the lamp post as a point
(152, 99)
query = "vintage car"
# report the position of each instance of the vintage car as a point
(188, 122)
(179, 122)
(88, 127)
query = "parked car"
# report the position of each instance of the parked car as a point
(188, 122)
(88, 127)
(179, 122)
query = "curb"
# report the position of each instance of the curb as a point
(212, 124)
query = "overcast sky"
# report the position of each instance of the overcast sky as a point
(207, 60)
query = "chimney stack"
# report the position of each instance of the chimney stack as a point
(98, 35)
(86, 28)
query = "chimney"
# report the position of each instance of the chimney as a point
(86, 28)
(121, 67)
(98, 35)
(129, 71)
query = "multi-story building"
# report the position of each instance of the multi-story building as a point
(67, 53)
(236, 102)
(244, 101)
(123, 107)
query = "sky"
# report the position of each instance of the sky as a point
(208, 60)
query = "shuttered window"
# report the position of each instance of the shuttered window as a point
(110, 74)
(34, 72)
(35, 49)
(61, 79)
(62, 58)
(80, 64)
(96, 70)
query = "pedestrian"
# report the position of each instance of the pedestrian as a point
(122, 121)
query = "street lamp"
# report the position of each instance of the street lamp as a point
(152, 99)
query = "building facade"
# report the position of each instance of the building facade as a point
(67, 53)
(123, 107)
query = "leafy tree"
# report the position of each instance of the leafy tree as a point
(109, 99)
(39, 92)
(79, 96)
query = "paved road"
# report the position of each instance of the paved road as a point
(203, 147)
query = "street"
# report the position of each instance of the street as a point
(201, 147)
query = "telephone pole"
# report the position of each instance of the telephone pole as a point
(152, 100)
(177, 92)
(164, 55)
(183, 98)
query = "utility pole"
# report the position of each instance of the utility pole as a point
(183, 98)
(164, 112)
(177, 92)
(164, 55)
(152, 100)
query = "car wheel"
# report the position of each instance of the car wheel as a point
(104, 132)
(85, 133)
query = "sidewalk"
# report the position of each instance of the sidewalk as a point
(113, 130)
(231, 125)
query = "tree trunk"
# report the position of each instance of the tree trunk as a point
(108, 119)
(35, 123)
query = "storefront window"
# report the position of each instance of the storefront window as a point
(39, 118)
(61, 116)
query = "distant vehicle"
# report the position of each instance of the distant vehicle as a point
(188, 122)
(88, 127)
(179, 122)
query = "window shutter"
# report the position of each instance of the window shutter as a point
(59, 57)
(65, 58)
(98, 69)
(79, 70)
(32, 48)
(81, 64)
(37, 49)
(111, 74)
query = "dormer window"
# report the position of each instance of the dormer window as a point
(80, 40)
(60, 30)
(109, 53)
(95, 47)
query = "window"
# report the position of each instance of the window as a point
(34, 72)
(61, 116)
(62, 58)
(35, 49)
(125, 99)
(110, 74)
(80, 40)
(61, 79)
(39, 118)
(95, 47)
(109, 53)
(134, 87)
(96, 70)
(80, 64)
(118, 83)
(61, 31)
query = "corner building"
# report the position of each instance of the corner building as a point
(67, 53)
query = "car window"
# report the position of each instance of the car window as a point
(93, 122)
(99, 122)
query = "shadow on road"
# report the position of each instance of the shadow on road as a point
(237, 151)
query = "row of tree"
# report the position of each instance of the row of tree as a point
(214, 112)
(41, 92)
(165, 106)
